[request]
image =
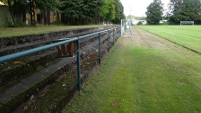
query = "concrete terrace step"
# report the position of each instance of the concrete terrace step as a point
(22, 47)
(33, 79)
(15, 70)
(29, 45)
(21, 92)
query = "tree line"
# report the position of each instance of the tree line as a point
(179, 10)
(76, 12)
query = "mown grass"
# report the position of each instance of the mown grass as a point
(138, 79)
(188, 36)
(21, 31)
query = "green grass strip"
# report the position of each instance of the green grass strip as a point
(188, 36)
(138, 79)
(22, 31)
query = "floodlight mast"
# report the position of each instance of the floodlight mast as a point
(127, 23)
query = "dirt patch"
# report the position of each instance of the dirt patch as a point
(146, 39)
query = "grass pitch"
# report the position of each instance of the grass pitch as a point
(188, 36)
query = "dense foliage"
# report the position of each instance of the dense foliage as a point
(46, 6)
(81, 11)
(154, 12)
(185, 10)
(119, 11)
(179, 10)
(72, 11)
(18, 10)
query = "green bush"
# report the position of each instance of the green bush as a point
(140, 23)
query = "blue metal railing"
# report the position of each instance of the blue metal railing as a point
(38, 49)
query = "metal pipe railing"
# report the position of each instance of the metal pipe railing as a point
(38, 49)
(35, 50)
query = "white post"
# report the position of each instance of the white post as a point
(121, 28)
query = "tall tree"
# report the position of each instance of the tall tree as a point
(185, 10)
(72, 11)
(154, 12)
(108, 10)
(119, 12)
(92, 10)
(4, 1)
(87, 11)
(18, 9)
(46, 6)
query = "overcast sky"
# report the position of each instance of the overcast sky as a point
(138, 7)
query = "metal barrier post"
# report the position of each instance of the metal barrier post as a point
(118, 35)
(108, 41)
(99, 47)
(113, 37)
(121, 27)
(78, 66)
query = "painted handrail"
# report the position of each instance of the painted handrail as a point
(38, 49)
